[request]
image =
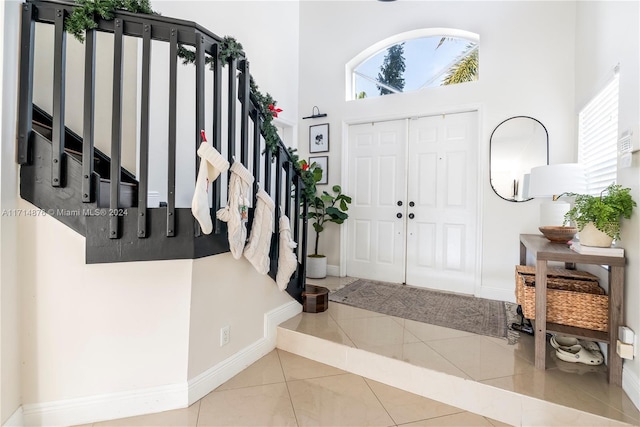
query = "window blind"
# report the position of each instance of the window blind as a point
(598, 138)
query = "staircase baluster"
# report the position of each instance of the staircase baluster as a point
(59, 72)
(173, 88)
(296, 218)
(231, 112)
(257, 139)
(116, 130)
(243, 95)
(278, 202)
(200, 64)
(25, 108)
(143, 173)
(88, 190)
(287, 178)
(217, 128)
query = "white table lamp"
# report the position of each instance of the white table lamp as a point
(551, 181)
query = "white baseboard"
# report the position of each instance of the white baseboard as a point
(631, 386)
(16, 419)
(213, 377)
(112, 406)
(333, 270)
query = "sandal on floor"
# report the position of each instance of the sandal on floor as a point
(577, 353)
(590, 345)
(557, 341)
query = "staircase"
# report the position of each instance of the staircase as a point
(66, 176)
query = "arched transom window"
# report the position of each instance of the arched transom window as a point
(412, 61)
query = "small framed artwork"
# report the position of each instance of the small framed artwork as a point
(323, 163)
(319, 138)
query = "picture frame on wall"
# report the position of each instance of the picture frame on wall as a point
(323, 163)
(319, 138)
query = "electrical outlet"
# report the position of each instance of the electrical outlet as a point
(225, 335)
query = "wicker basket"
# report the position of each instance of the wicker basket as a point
(574, 298)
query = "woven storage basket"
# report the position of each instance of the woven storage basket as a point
(574, 298)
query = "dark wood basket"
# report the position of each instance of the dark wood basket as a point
(574, 298)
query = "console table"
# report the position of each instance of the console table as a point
(544, 251)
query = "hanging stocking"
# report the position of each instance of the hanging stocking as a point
(257, 250)
(287, 261)
(212, 164)
(236, 212)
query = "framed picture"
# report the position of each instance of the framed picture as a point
(319, 138)
(323, 163)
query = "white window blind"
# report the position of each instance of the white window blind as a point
(598, 138)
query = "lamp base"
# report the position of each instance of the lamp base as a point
(552, 212)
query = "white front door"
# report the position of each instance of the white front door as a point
(377, 165)
(442, 182)
(413, 217)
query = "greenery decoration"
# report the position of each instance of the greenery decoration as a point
(328, 208)
(83, 17)
(605, 211)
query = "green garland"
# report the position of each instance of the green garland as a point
(83, 17)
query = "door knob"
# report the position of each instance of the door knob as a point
(399, 202)
(411, 216)
(412, 204)
(399, 215)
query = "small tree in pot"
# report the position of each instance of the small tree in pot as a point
(603, 213)
(322, 209)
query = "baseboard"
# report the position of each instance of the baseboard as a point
(333, 270)
(16, 419)
(110, 406)
(213, 377)
(155, 399)
(631, 386)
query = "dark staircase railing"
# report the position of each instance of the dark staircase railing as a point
(64, 174)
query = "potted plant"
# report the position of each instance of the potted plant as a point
(322, 209)
(598, 217)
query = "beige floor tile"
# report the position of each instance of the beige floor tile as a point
(366, 332)
(405, 407)
(266, 370)
(463, 419)
(426, 332)
(186, 417)
(340, 400)
(265, 405)
(300, 368)
(481, 359)
(339, 311)
(319, 325)
(496, 423)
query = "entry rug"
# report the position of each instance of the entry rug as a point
(465, 313)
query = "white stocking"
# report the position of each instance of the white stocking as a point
(287, 261)
(257, 250)
(212, 164)
(236, 211)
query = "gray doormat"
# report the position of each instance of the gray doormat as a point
(464, 313)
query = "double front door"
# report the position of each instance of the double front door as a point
(414, 186)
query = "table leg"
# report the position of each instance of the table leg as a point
(541, 314)
(616, 291)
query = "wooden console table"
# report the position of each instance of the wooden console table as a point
(543, 250)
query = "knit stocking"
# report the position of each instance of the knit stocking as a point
(236, 211)
(211, 165)
(287, 261)
(257, 250)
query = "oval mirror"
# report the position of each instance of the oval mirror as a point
(516, 145)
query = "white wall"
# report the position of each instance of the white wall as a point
(526, 68)
(268, 32)
(10, 388)
(607, 34)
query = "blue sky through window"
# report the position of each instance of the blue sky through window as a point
(426, 66)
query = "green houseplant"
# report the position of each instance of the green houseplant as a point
(603, 212)
(323, 208)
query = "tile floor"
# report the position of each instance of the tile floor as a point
(283, 389)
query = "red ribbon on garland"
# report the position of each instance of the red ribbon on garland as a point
(274, 110)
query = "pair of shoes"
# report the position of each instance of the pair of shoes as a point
(573, 350)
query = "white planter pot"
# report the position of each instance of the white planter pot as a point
(591, 236)
(316, 267)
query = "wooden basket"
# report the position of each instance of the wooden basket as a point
(574, 298)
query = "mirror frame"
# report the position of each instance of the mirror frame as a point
(490, 153)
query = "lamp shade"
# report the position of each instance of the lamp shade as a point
(553, 180)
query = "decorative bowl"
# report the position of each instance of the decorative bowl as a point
(558, 234)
